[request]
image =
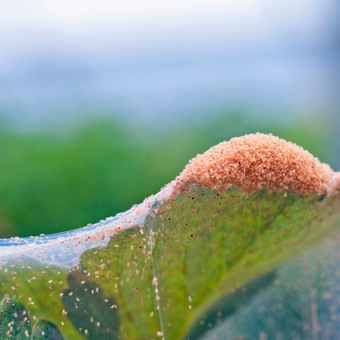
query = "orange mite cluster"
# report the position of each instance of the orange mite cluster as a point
(257, 161)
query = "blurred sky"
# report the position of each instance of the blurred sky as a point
(156, 61)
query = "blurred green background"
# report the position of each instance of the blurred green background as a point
(103, 103)
(60, 180)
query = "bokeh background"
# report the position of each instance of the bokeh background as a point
(104, 102)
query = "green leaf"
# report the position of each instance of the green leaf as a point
(123, 271)
(182, 268)
(89, 310)
(46, 330)
(14, 321)
(204, 264)
(299, 301)
(37, 287)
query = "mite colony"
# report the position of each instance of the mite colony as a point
(258, 161)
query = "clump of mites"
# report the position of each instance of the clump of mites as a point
(259, 161)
